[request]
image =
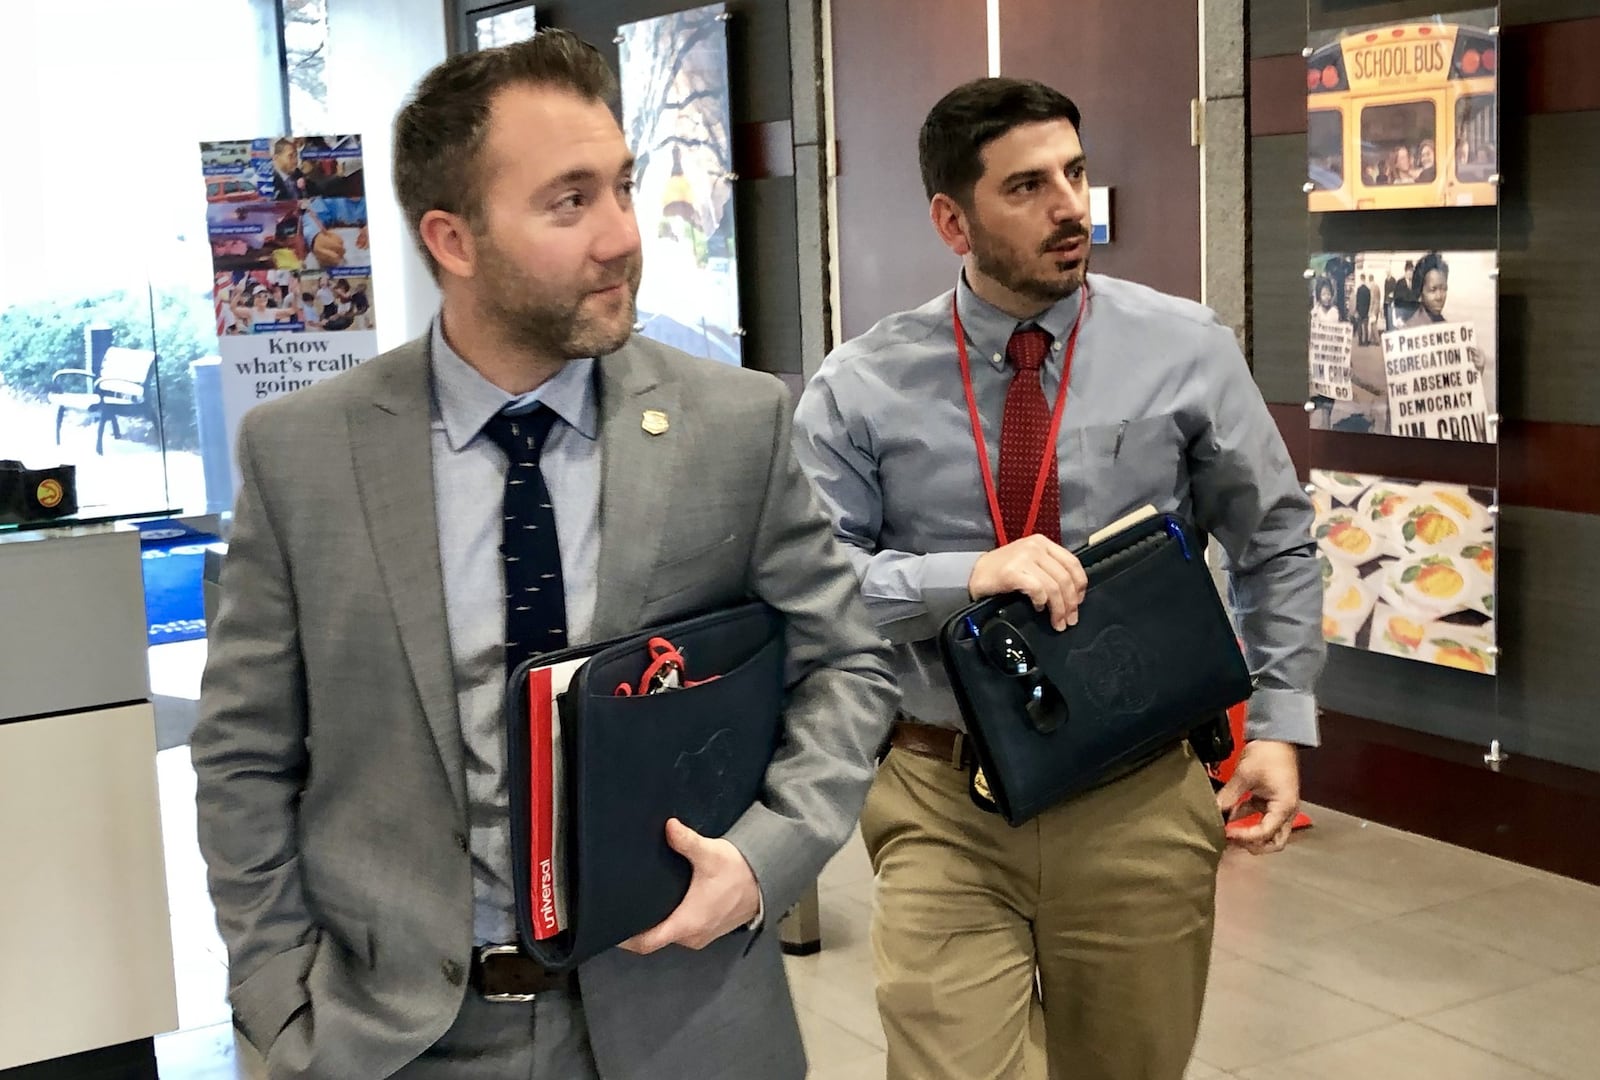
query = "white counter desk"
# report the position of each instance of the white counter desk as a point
(86, 975)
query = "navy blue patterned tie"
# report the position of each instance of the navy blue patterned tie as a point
(536, 608)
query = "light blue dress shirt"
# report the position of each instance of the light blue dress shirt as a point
(469, 485)
(1161, 409)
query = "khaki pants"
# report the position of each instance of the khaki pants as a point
(1082, 937)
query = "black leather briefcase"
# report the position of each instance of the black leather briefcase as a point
(1152, 658)
(699, 754)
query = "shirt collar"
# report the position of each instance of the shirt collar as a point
(466, 400)
(989, 329)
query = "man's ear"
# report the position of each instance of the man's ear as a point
(950, 222)
(449, 240)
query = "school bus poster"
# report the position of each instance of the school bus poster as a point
(1405, 114)
(1404, 343)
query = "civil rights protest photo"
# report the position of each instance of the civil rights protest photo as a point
(1403, 343)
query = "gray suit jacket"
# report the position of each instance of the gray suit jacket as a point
(331, 790)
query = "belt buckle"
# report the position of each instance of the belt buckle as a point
(484, 955)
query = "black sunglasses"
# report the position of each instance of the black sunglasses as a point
(1006, 650)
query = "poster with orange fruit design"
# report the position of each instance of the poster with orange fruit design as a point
(1408, 568)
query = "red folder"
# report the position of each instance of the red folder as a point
(619, 767)
(546, 842)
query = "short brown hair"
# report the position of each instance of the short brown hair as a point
(439, 135)
(973, 115)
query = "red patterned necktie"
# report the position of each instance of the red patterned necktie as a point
(1024, 438)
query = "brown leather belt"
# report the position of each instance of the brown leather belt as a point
(943, 744)
(503, 973)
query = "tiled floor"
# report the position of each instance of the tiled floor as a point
(1361, 953)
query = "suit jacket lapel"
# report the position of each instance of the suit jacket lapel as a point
(638, 469)
(390, 444)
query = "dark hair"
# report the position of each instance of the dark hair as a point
(970, 117)
(439, 134)
(281, 145)
(1431, 261)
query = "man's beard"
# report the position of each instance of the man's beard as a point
(1004, 264)
(549, 319)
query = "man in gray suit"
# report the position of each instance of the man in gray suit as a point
(352, 793)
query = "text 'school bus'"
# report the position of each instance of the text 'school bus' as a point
(1403, 116)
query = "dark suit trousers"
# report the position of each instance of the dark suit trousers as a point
(545, 1040)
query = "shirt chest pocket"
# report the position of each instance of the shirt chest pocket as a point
(1134, 462)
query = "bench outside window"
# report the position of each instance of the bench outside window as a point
(121, 389)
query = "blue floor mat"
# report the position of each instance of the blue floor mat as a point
(173, 557)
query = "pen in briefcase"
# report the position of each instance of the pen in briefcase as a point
(1152, 658)
(596, 769)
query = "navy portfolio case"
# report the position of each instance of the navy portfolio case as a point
(628, 762)
(1152, 658)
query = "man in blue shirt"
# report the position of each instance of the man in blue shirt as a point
(1092, 922)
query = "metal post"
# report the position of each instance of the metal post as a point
(801, 929)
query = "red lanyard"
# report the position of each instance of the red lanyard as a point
(1050, 440)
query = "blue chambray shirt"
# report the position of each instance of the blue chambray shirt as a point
(469, 486)
(1161, 409)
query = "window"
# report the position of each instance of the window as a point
(1325, 148)
(486, 26)
(305, 52)
(105, 229)
(1477, 153)
(1398, 144)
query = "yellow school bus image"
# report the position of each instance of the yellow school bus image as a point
(1404, 116)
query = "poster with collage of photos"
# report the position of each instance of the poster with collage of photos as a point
(291, 265)
(287, 221)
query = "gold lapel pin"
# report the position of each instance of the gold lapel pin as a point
(654, 421)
